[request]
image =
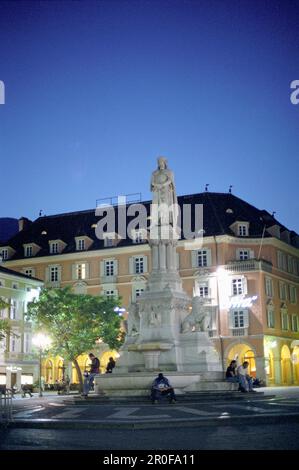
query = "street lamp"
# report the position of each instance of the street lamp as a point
(41, 341)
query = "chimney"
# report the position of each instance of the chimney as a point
(23, 223)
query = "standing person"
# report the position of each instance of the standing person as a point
(110, 365)
(42, 382)
(160, 387)
(244, 377)
(94, 370)
(67, 384)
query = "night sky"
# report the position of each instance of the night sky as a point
(96, 90)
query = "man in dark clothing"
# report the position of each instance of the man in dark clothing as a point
(160, 387)
(94, 370)
(231, 372)
(110, 365)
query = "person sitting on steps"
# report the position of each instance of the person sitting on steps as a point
(244, 377)
(162, 387)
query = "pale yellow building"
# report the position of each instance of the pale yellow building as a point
(248, 267)
(18, 363)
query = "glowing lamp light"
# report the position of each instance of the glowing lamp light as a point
(243, 302)
(41, 340)
(119, 310)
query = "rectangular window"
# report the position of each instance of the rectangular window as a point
(242, 230)
(13, 343)
(282, 291)
(54, 248)
(284, 320)
(54, 274)
(244, 255)
(138, 292)
(3, 311)
(238, 319)
(203, 290)
(80, 271)
(202, 258)
(109, 293)
(13, 309)
(293, 294)
(4, 254)
(26, 342)
(138, 237)
(295, 323)
(81, 244)
(290, 264)
(139, 265)
(28, 251)
(237, 286)
(29, 272)
(269, 287)
(109, 268)
(108, 242)
(270, 318)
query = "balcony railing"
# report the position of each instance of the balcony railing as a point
(53, 284)
(239, 332)
(249, 265)
(108, 279)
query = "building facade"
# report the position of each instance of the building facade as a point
(247, 267)
(18, 363)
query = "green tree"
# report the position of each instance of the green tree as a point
(5, 327)
(75, 321)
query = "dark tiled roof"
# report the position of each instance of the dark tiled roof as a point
(15, 273)
(216, 221)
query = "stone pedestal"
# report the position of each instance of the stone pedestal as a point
(163, 334)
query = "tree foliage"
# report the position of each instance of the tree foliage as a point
(75, 322)
(5, 327)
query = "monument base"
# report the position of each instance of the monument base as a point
(139, 384)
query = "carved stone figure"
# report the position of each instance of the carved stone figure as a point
(154, 317)
(199, 319)
(133, 319)
(164, 205)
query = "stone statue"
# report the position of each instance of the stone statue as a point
(133, 319)
(198, 319)
(164, 205)
(154, 318)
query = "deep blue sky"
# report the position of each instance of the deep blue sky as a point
(96, 90)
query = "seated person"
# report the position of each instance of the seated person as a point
(160, 387)
(110, 365)
(244, 377)
(26, 389)
(231, 373)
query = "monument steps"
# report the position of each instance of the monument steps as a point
(190, 397)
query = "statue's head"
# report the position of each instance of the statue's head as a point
(162, 163)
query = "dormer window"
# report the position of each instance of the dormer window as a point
(4, 253)
(108, 242)
(83, 243)
(242, 230)
(54, 248)
(28, 251)
(138, 236)
(80, 244)
(110, 239)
